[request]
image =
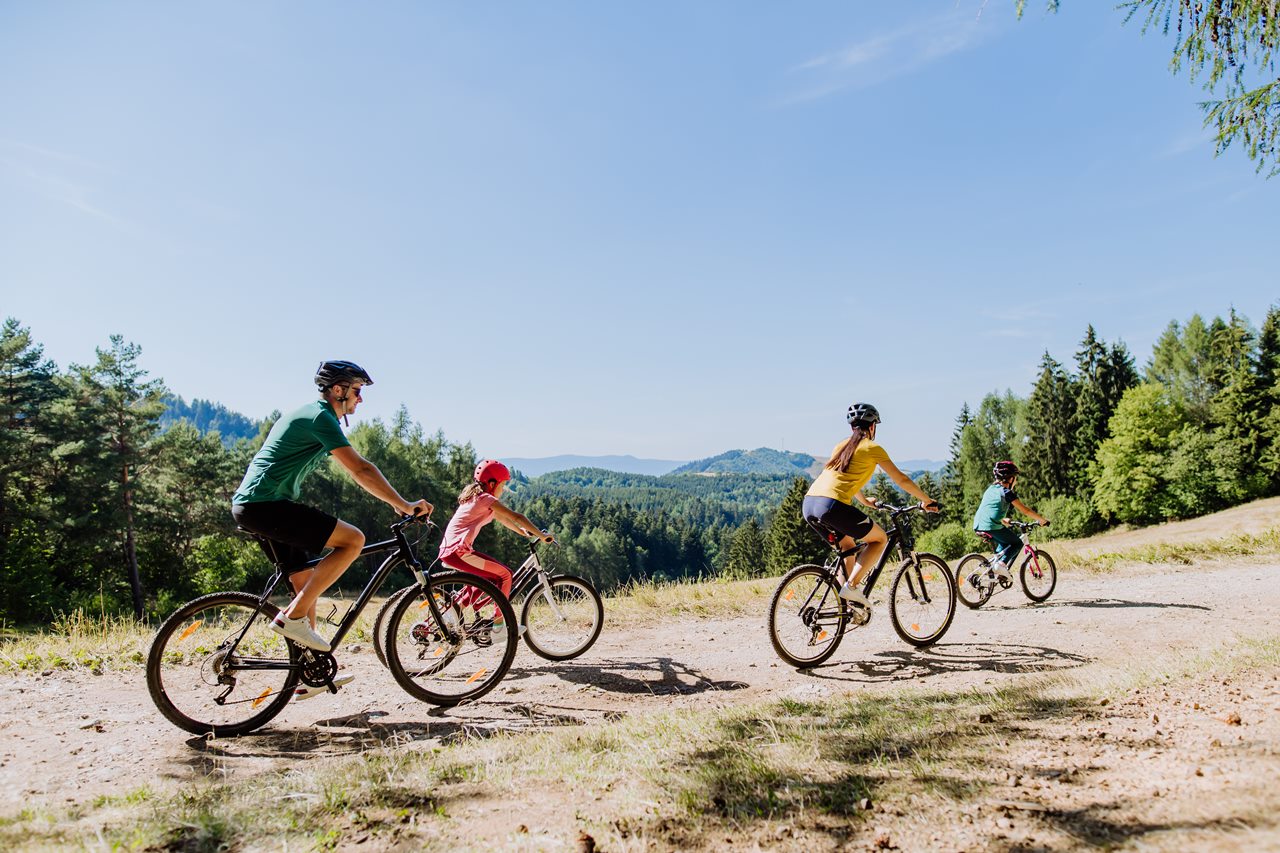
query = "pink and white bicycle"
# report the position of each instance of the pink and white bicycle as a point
(976, 580)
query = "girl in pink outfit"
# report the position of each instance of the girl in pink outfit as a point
(477, 506)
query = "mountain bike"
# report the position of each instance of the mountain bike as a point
(808, 618)
(976, 579)
(216, 667)
(560, 618)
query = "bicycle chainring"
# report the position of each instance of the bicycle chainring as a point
(318, 669)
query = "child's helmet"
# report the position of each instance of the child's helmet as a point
(492, 469)
(331, 373)
(1005, 469)
(863, 412)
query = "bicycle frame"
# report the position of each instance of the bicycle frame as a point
(402, 550)
(898, 536)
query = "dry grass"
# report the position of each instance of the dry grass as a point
(675, 779)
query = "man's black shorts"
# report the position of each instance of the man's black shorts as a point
(835, 515)
(299, 532)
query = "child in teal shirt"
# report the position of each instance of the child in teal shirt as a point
(992, 516)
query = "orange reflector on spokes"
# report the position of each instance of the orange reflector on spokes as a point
(195, 626)
(479, 673)
(791, 593)
(439, 651)
(822, 635)
(262, 698)
(927, 577)
(915, 627)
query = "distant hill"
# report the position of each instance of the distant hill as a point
(208, 416)
(698, 499)
(536, 467)
(762, 460)
(916, 465)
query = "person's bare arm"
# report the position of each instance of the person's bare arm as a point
(372, 481)
(866, 501)
(1028, 511)
(519, 523)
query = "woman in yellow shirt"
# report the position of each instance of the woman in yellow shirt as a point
(829, 502)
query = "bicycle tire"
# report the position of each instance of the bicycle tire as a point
(1048, 569)
(380, 620)
(797, 625)
(926, 573)
(198, 632)
(972, 596)
(571, 626)
(409, 644)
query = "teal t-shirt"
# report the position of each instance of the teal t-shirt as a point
(995, 505)
(295, 447)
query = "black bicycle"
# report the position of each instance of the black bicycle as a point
(560, 615)
(977, 581)
(808, 618)
(216, 667)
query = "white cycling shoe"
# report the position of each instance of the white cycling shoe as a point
(300, 631)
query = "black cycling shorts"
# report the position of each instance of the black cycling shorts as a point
(824, 514)
(298, 532)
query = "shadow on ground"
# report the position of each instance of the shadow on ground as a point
(906, 664)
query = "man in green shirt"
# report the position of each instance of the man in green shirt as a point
(266, 502)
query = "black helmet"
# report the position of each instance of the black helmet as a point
(331, 373)
(1005, 470)
(863, 412)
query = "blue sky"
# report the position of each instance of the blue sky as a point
(664, 229)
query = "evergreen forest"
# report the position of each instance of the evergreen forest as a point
(115, 493)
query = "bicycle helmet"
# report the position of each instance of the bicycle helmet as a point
(491, 470)
(1005, 470)
(864, 412)
(331, 373)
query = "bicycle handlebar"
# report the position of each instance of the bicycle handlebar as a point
(899, 510)
(405, 520)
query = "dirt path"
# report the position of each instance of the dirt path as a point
(68, 738)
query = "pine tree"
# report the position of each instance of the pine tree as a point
(120, 411)
(1045, 453)
(746, 552)
(951, 488)
(790, 540)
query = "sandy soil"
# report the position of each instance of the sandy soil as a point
(69, 737)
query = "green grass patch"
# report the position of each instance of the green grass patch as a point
(1238, 545)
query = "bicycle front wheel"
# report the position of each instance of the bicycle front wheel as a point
(461, 660)
(973, 588)
(1039, 576)
(563, 621)
(807, 616)
(922, 600)
(209, 675)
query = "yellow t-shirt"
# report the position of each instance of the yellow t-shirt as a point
(842, 485)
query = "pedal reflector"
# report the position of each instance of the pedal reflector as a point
(478, 674)
(195, 626)
(262, 698)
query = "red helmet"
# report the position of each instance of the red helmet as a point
(1005, 470)
(492, 469)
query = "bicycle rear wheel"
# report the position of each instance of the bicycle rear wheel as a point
(971, 568)
(807, 616)
(922, 600)
(380, 621)
(460, 661)
(1039, 576)
(208, 675)
(563, 622)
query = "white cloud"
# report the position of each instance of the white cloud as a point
(882, 57)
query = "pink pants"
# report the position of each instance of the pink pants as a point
(484, 566)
